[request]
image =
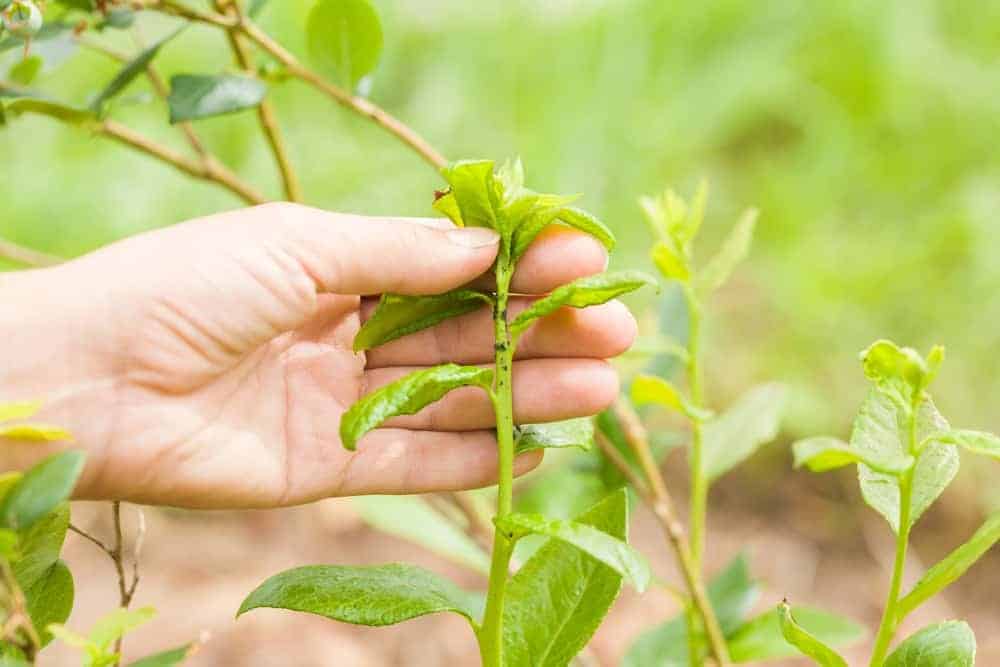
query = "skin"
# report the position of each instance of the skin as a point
(207, 364)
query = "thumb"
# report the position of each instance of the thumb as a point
(350, 254)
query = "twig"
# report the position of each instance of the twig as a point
(27, 256)
(265, 111)
(658, 498)
(19, 618)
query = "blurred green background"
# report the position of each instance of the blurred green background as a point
(866, 133)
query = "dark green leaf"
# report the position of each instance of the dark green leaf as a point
(345, 38)
(946, 571)
(807, 643)
(950, 644)
(977, 442)
(407, 396)
(474, 190)
(411, 518)
(648, 389)
(733, 251)
(733, 593)
(665, 645)
(40, 490)
(560, 595)
(128, 73)
(611, 551)
(760, 638)
(375, 595)
(40, 546)
(26, 71)
(569, 433)
(50, 599)
(170, 658)
(824, 453)
(737, 433)
(397, 316)
(589, 291)
(196, 96)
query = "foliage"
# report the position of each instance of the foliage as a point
(906, 454)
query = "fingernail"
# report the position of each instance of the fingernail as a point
(473, 237)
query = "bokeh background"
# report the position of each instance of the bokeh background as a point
(866, 133)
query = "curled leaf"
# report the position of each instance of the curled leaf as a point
(805, 641)
(569, 433)
(397, 316)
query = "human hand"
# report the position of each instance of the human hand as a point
(208, 364)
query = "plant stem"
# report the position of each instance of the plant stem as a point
(890, 615)
(265, 111)
(490, 635)
(699, 484)
(19, 618)
(659, 500)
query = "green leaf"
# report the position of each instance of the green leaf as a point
(63, 112)
(119, 18)
(733, 251)
(445, 203)
(169, 658)
(824, 453)
(560, 595)
(732, 594)
(648, 389)
(397, 316)
(374, 595)
(951, 643)
(40, 546)
(256, 7)
(40, 490)
(50, 599)
(886, 364)
(670, 262)
(946, 571)
(588, 291)
(737, 433)
(19, 410)
(406, 396)
(410, 518)
(761, 639)
(572, 217)
(7, 481)
(26, 71)
(977, 442)
(474, 190)
(128, 73)
(117, 624)
(8, 544)
(345, 38)
(35, 432)
(611, 551)
(531, 213)
(196, 96)
(879, 430)
(50, 30)
(807, 643)
(568, 433)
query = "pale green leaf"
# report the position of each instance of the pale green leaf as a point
(397, 316)
(884, 361)
(344, 38)
(611, 551)
(761, 639)
(50, 599)
(45, 107)
(474, 190)
(977, 442)
(7, 481)
(733, 251)
(40, 490)
(648, 389)
(807, 643)
(26, 71)
(948, 644)
(511, 177)
(671, 263)
(529, 224)
(117, 624)
(406, 396)
(34, 432)
(588, 291)
(737, 433)
(410, 518)
(560, 595)
(196, 96)
(445, 203)
(129, 72)
(946, 571)
(585, 222)
(168, 658)
(19, 410)
(568, 433)
(372, 595)
(40, 546)
(824, 453)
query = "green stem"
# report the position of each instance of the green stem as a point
(890, 616)
(491, 633)
(699, 484)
